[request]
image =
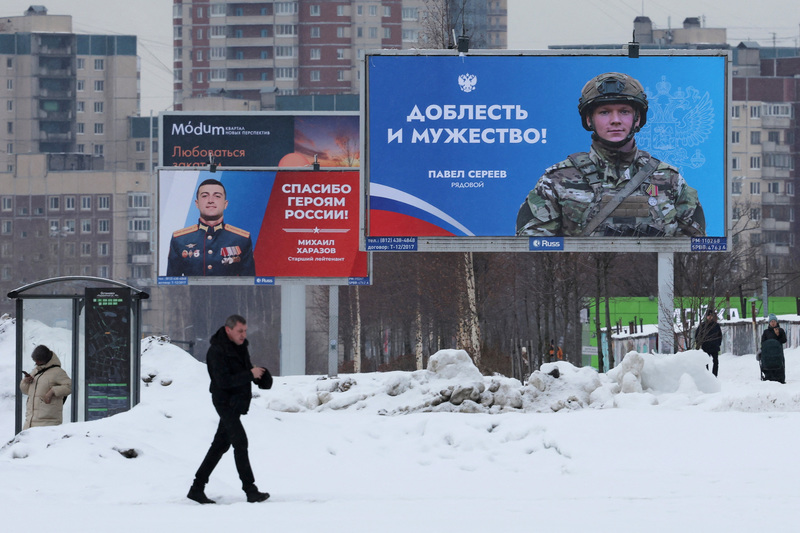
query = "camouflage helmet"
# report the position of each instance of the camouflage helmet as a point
(612, 88)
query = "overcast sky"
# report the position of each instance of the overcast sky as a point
(532, 24)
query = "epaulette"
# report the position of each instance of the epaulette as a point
(585, 165)
(237, 231)
(184, 231)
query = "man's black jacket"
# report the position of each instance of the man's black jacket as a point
(709, 337)
(229, 368)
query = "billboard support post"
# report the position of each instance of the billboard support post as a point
(333, 331)
(293, 330)
(666, 302)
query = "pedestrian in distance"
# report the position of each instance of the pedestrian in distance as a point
(770, 356)
(47, 387)
(708, 337)
(231, 374)
(615, 189)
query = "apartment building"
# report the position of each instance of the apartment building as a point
(255, 50)
(64, 92)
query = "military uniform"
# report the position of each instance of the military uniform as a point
(221, 250)
(572, 192)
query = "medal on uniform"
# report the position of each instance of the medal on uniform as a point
(652, 192)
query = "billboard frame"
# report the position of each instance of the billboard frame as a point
(511, 243)
(256, 280)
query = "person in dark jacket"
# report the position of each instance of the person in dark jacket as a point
(708, 337)
(231, 373)
(774, 331)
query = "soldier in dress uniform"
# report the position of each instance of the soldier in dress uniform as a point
(211, 247)
(615, 189)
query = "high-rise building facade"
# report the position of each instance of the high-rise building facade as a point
(64, 92)
(255, 50)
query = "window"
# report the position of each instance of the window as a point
(98, 128)
(774, 187)
(285, 73)
(755, 111)
(199, 12)
(736, 187)
(81, 148)
(736, 163)
(314, 10)
(86, 203)
(217, 10)
(99, 85)
(98, 150)
(264, 33)
(102, 249)
(69, 203)
(755, 187)
(238, 12)
(778, 110)
(285, 51)
(217, 74)
(6, 228)
(238, 34)
(264, 54)
(139, 199)
(80, 63)
(177, 32)
(79, 128)
(10, 148)
(99, 64)
(98, 107)
(10, 105)
(8, 203)
(790, 190)
(200, 76)
(359, 31)
(755, 137)
(53, 203)
(286, 8)
(10, 127)
(287, 29)
(755, 213)
(200, 34)
(69, 227)
(102, 271)
(373, 33)
(217, 52)
(774, 137)
(217, 31)
(410, 13)
(387, 11)
(372, 10)
(755, 162)
(80, 106)
(80, 85)
(314, 75)
(735, 111)
(341, 75)
(315, 54)
(141, 146)
(104, 202)
(103, 225)
(139, 224)
(387, 33)
(315, 32)
(199, 55)
(735, 137)
(86, 249)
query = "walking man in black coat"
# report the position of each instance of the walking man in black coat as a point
(231, 374)
(708, 337)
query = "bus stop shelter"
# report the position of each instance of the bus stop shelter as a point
(94, 326)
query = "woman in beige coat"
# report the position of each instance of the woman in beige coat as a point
(47, 387)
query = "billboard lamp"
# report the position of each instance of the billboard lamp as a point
(315, 165)
(212, 167)
(633, 47)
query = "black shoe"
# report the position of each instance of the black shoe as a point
(255, 496)
(198, 495)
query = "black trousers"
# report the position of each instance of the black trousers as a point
(230, 432)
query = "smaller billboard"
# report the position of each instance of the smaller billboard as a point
(253, 226)
(259, 139)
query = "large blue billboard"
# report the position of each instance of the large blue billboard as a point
(456, 143)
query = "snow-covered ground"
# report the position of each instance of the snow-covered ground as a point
(656, 445)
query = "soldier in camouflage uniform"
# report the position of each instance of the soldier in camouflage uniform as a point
(648, 197)
(211, 247)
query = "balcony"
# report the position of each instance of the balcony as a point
(773, 122)
(771, 198)
(55, 115)
(56, 137)
(139, 236)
